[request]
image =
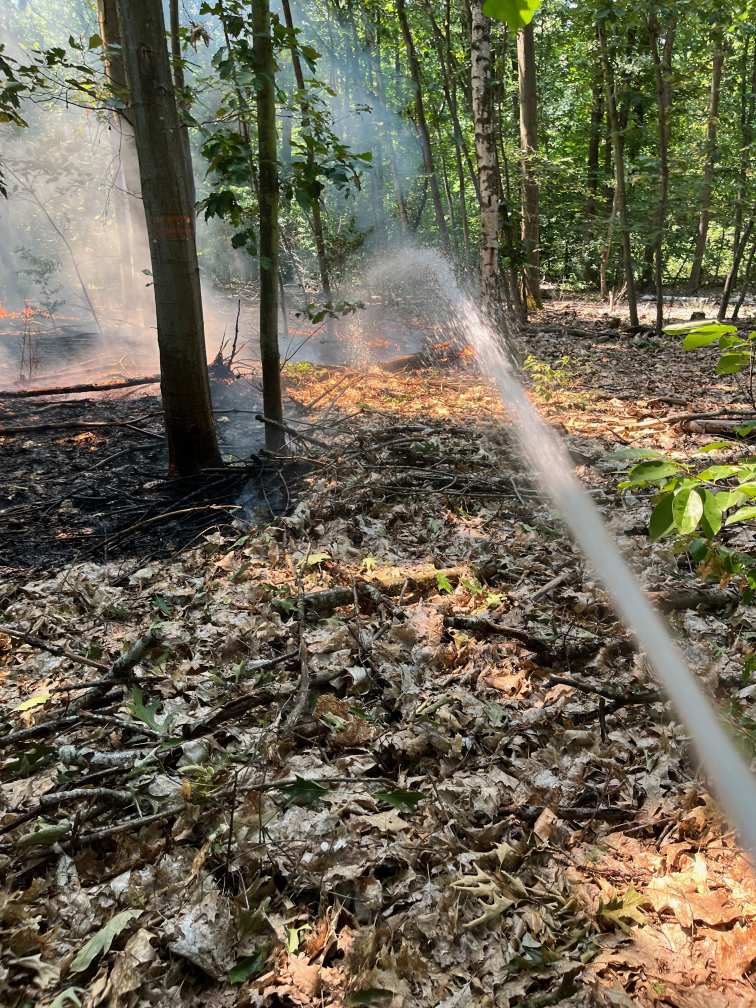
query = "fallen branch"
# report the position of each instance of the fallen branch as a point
(707, 599)
(77, 425)
(53, 649)
(627, 699)
(391, 583)
(75, 389)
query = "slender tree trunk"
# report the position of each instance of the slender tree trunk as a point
(606, 252)
(732, 276)
(485, 145)
(663, 75)
(619, 175)
(127, 196)
(267, 146)
(747, 89)
(422, 125)
(179, 83)
(169, 212)
(712, 125)
(526, 67)
(746, 281)
(315, 209)
(450, 96)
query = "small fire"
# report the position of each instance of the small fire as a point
(26, 313)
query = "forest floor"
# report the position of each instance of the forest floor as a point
(390, 747)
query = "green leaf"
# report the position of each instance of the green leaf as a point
(443, 583)
(713, 446)
(711, 522)
(651, 472)
(662, 522)
(742, 514)
(515, 13)
(718, 472)
(145, 714)
(100, 942)
(95, 41)
(625, 908)
(744, 429)
(699, 334)
(37, 700)
(248, 966)
(732, 363)
(399, 798)
(728, 498)
(304, 792)
(687, 510)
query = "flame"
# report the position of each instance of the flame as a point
(26, 313)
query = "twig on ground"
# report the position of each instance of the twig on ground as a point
(74, 389)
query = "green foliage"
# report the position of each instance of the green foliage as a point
(100, 942)
(694, 503)
(515, 13)
(549, 381)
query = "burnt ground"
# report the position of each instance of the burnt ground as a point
(85, 479)
(391, 747)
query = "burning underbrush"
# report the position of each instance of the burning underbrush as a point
(389, 747)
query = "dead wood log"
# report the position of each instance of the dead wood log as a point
(389, 583)
(706, 599)
(75, 389)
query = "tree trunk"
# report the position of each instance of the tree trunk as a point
(317, 218)
(422, 125)
(267, 145)
(747, 96)
(485, 145)
(526, 68)
(169, 212)
(746, 281)
(663, 75)
(127, 196)
(618, 149)
(732, 276)
(179, 83)
(712, 125)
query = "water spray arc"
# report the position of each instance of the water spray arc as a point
(725, 768)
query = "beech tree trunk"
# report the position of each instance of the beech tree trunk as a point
(169, 211)
(267, 147)
(526, 70)
(618, 149)
(712, 125)
(422, 125)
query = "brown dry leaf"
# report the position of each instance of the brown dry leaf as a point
(386, 822)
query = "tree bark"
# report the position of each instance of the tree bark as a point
(712, 125)
(267, 145)
(169, 212)
(663, 75)
(747, 96)
(526, 70)
(422, 125)
(732, 276)
(179, 82)
(618, 149)
(485, 146)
